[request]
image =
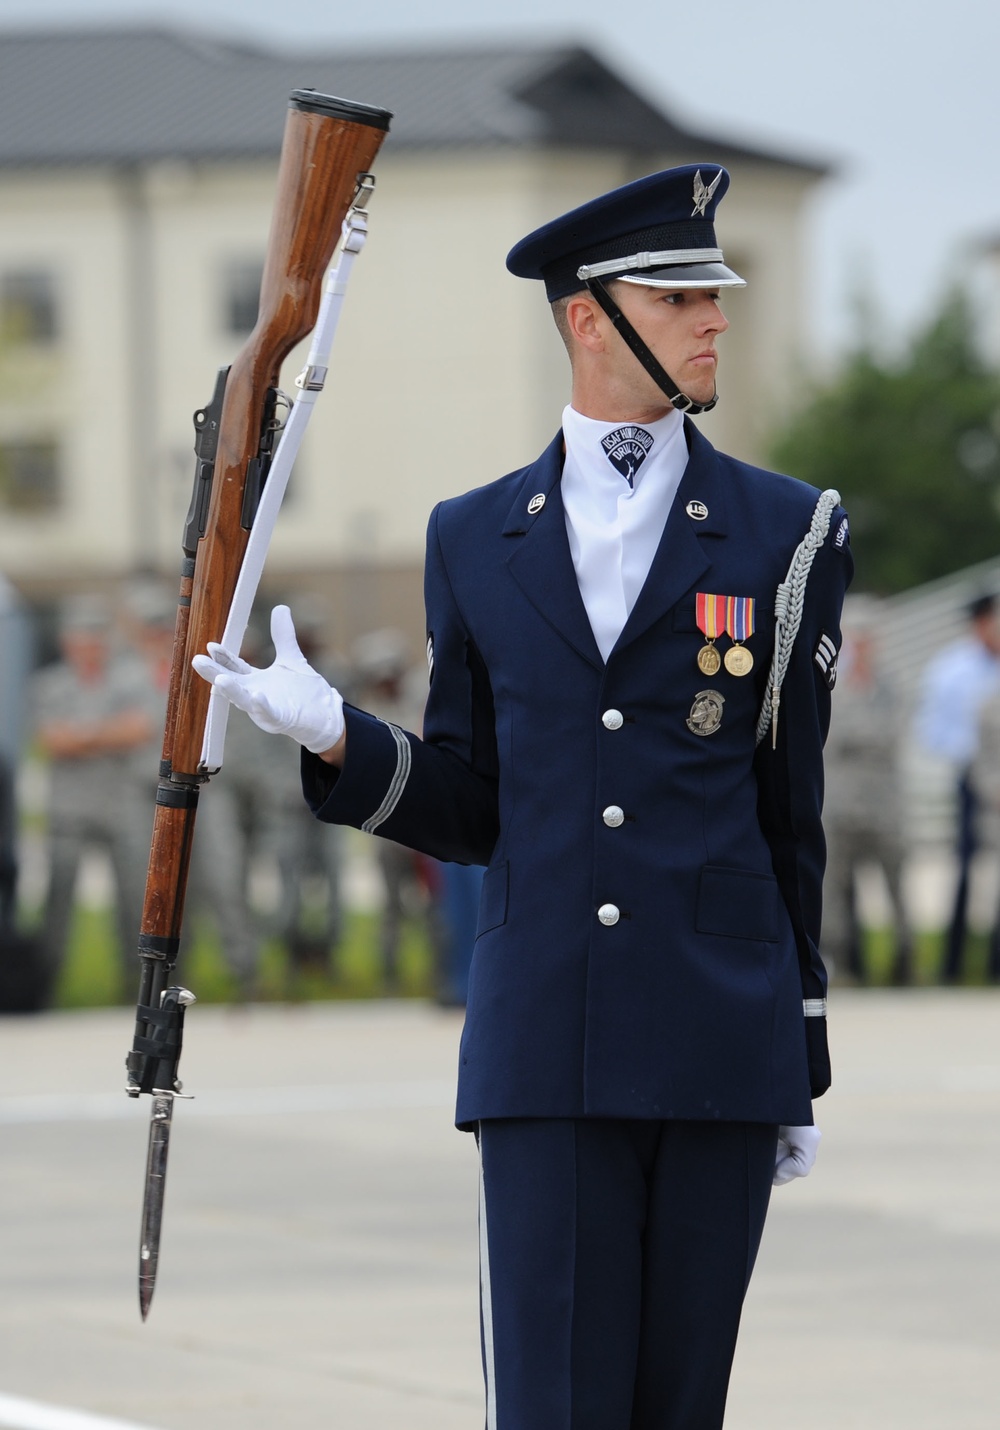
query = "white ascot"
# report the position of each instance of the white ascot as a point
(618, 485)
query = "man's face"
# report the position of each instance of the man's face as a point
(987, 628)
(680, 326)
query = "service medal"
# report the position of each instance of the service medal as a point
(739, 625)
(710, 613)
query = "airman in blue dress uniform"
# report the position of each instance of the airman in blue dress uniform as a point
(632, 644)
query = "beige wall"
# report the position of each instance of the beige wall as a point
(446, 373)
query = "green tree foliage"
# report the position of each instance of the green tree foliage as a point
(913, 446)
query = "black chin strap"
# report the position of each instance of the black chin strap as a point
(660, 376)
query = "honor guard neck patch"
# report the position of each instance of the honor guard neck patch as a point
(626, 448)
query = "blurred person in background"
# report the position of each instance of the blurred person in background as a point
(8, 843)
(229, 814)
(985, 780)
(461, 890)
(236, 819)
(309, 860)
(862, 810)
(393, 691)
(91, 716)
(956, 684)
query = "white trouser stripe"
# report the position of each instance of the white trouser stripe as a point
(486, 1301)
(404, 758)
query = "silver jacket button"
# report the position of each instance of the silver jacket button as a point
(613, 816)
(608, 914)
(612, 719)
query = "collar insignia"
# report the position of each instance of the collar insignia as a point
(697, 510)
(626, 448)
(703, 193)
(536, 503)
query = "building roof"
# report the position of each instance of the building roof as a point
(133, 95)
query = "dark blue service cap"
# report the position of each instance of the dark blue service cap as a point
(657, 231)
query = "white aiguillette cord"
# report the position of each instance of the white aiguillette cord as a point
(310, 383)
(789, 603)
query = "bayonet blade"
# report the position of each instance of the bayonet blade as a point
(152, 1067)
(161, 1114)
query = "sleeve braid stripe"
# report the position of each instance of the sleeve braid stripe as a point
(404, 760)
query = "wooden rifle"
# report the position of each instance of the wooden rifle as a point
(328, 147)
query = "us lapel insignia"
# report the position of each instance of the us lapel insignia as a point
(706, 712)
(536, 503)
(697, 510)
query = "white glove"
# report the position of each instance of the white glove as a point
(796, 1153)
(288, 697)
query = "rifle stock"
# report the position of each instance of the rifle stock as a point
(327, 144)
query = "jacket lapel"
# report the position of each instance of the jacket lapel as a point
(540, 562)
(684, 552)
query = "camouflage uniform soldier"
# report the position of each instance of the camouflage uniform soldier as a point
(985, 780)
(91, 716)
(862, 813)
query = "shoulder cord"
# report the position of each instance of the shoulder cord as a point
(789, 601)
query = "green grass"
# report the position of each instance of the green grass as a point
(877, 955)
(92, 975)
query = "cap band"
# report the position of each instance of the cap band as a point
(660, 259)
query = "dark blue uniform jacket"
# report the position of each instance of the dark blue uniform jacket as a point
(692, 1004)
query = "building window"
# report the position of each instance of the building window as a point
(29, 476)
(28, 307)
(241, 295)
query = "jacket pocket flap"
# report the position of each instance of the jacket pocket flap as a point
(493, 900)
(737, 904)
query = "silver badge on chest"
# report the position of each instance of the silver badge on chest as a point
(706, 712)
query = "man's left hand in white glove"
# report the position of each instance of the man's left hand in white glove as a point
(796, 1153)
(287, 697)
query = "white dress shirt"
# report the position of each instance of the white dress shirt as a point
(618, 485)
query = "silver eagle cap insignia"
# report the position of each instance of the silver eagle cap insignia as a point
(703, 193)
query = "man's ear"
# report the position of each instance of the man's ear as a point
(584, 322)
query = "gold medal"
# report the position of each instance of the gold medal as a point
(710, 615)
(739, 625)
(738, 660)
(709, 660)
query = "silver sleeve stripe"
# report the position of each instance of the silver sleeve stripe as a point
(814, 1007)
(404, 759)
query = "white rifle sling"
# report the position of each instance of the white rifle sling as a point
(310, 384)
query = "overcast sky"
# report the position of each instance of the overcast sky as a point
(900, 97)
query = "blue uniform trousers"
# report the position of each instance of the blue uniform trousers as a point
(615, 1256)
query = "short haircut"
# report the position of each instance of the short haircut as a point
(983, 605)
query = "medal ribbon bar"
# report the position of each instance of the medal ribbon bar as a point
(710, 613)
(739, 617)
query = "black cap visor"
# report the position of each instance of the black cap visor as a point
(684, 275)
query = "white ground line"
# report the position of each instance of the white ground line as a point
(18, 1414)
(232, 1102)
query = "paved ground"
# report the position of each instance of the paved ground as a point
(319, 1250)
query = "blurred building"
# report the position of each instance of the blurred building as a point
(137, 171)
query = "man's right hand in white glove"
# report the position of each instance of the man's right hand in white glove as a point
(287, 698)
